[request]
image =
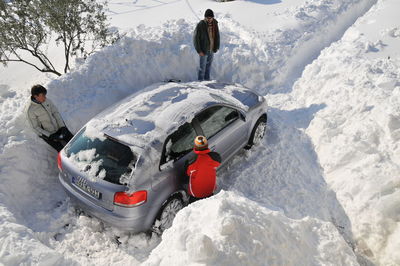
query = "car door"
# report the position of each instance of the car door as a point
(225, 129)
(176, 151)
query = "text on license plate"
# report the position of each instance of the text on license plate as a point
(82, 184)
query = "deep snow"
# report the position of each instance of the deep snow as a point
(321, 190)
(356, 134)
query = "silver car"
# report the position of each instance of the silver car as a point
(126, 166)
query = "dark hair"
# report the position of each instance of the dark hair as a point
(209, 13)
(38, 89)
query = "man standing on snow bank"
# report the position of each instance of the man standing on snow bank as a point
(45, 119)
(202, 170)
(206, 43)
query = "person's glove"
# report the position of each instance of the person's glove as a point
(54, 136)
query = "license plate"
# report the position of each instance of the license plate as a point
(82, 184)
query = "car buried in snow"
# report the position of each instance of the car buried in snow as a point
(126, 165)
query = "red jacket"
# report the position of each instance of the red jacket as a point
(202, 173)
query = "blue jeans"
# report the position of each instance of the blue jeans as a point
(205, 66)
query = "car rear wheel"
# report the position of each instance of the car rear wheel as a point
(168, 213)
(258, 132)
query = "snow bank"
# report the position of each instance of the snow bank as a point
(293, 211)
(267, 62)
(237, 231)
(27, 171)
(356, 134)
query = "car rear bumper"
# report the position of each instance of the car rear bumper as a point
(132, 224)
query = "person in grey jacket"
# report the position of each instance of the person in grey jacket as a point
(45, 119)
(206, 43)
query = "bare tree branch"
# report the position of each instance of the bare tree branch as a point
(26, 25)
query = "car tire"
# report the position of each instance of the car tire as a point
(258, 132)
(167, 213)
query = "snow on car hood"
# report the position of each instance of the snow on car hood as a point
(159, 109)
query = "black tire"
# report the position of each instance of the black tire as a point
(258, 132)
(167, 214)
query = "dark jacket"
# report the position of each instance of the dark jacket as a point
(200, 38)
(202, 173)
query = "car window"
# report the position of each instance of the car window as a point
(179, 143)
(216, 118)
(114, 159)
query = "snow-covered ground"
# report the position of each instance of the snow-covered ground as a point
(322, 189)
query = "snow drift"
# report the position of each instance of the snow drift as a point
(294, 200)
(356, 134)
(237, 231)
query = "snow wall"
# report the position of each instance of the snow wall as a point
(281, 183)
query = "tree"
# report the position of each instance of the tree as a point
(28, 26)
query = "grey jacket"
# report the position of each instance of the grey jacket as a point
(44, 118)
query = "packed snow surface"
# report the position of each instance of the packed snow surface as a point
(322, 188)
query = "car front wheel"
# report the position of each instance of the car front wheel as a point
(258, 132)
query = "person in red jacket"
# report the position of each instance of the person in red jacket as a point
(202, 170)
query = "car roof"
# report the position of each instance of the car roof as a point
(159, 109)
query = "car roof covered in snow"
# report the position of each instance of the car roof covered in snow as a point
(161, 108)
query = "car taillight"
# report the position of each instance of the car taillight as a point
(59, 162)
(130, 199)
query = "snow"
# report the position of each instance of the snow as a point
(356, 133)
(140, 119)
(237, 231)
(144, 120)
(86, 161)
(321, 189)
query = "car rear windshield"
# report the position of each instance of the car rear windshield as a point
(107, 159)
